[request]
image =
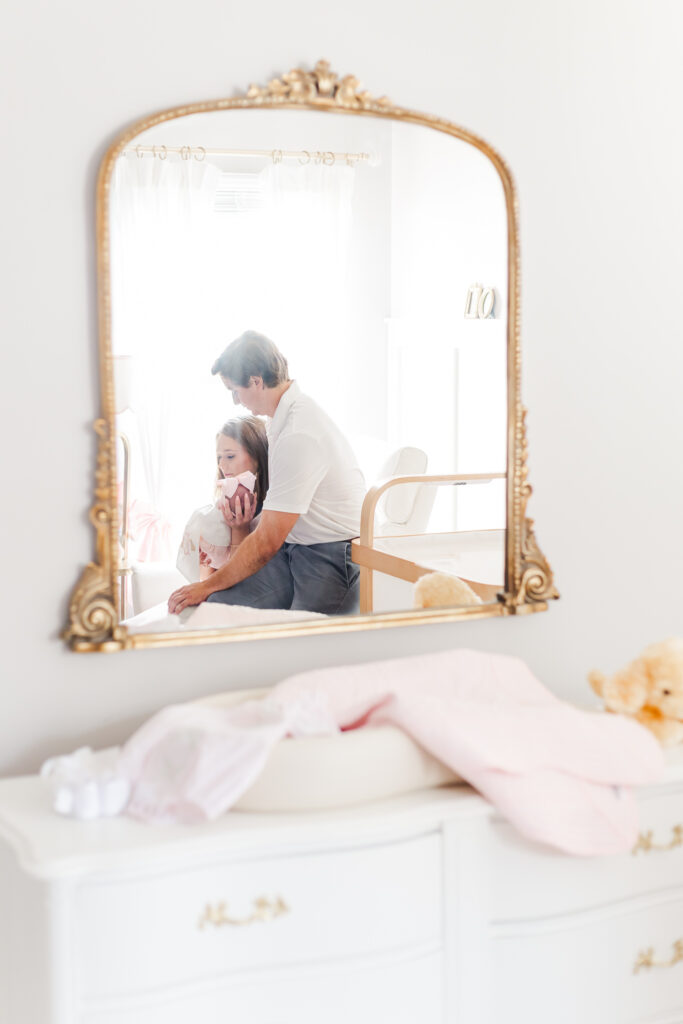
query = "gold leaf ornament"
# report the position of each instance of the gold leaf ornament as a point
(321, 84)
(326, 78)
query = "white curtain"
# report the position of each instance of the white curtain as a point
(160, 212)
(187, 278)
(310, 217)
(287, 266)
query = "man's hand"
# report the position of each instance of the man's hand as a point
(184, 597)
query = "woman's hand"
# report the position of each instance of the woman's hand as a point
(184, 597)
(239, 517)
(244, 512)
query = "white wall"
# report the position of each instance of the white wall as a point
(582, 98)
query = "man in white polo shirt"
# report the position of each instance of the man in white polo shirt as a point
(299, 555)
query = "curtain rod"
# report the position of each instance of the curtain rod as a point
(303, 156)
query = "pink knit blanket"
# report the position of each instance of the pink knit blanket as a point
(560, 775)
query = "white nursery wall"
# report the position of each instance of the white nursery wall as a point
(581, 99)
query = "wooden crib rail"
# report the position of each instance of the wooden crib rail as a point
(369, 559)
(367, 516)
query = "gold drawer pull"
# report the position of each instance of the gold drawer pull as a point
(264, 910)
(646, 842)
(647, 958)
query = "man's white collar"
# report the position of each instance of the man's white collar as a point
(277, 422)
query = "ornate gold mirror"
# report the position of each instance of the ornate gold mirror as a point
(377, 248)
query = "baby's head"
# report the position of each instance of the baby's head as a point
(231, 490)
(242, 446)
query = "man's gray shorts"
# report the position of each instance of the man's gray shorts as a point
(304, 577)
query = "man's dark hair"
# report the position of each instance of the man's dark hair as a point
(252, 355)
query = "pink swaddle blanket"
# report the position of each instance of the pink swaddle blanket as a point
(559, 774)
(207, 531)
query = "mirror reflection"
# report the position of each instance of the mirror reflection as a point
(306, 306)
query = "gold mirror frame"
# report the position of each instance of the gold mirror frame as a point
(94, 605)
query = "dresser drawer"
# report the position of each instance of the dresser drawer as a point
(619, 965)
(549, 882)
(405, 992)
(209, 922)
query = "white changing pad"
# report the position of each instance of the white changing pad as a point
(322, 772)
(210, 616)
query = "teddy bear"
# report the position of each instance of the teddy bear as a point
(650, 689)
(441, 590)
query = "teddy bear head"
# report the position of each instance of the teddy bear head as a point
(442, 590)
(654, 680)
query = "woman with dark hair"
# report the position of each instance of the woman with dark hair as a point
(241, 444)
(214, 532)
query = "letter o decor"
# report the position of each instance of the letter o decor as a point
(480, 302)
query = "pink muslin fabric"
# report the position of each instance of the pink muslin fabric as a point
(151, 531)
(560, 775)
(191, 762)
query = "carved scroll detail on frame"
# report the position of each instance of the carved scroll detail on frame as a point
(93, 609)
(537, 576)
(93, 614)
(532, 580)
(321, 84)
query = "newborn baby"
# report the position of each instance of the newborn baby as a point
(207, 533)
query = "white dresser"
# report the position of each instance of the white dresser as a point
(420, 910)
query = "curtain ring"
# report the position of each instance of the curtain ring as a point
(277, 156)
(185, 152)
(138, 153)
(200, 149)
(163, 154)
(307, 160)
(328, 159)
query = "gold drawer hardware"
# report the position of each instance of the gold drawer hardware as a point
(646, 842)
(264, 910)
(647, 958)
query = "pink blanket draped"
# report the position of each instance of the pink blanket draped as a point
(560, 775)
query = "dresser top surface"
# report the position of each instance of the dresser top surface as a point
(49, 845)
